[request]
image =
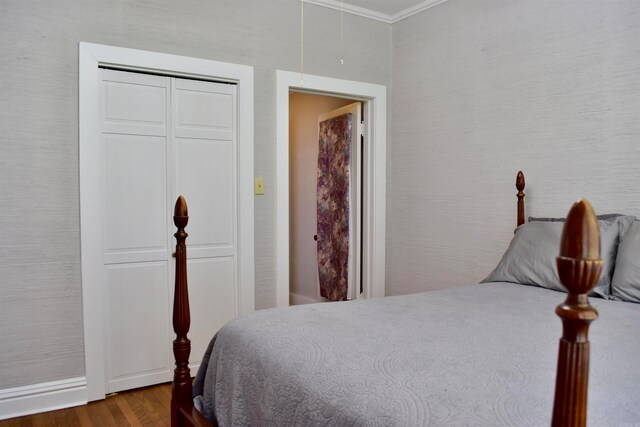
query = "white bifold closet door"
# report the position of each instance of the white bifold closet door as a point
(162, 137)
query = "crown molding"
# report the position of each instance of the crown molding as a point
(415, 9)
(354, 10)
(372, 14)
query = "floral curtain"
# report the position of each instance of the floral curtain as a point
(333, 206)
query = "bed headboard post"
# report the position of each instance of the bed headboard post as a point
(579, 267)
(520, 187)
(181, 390)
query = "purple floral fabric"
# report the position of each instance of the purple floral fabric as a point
(333, 206)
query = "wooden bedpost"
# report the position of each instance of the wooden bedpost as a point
(579, 267)
(520, 187)
(181, 392)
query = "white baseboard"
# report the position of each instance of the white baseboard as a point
(49, 396)
(297, 299)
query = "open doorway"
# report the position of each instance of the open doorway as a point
(374, 99)
(325, 197)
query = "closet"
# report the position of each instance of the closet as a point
(161, 137)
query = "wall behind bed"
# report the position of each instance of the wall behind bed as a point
(41, 336)
(484, 88)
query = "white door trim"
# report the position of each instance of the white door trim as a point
(91, 56)
(375, 195)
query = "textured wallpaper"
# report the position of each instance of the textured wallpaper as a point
(479, 90)
(41, 336)
(482, 89)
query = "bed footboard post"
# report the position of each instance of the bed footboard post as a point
(181, 392)
(520, 188)
(579, 267)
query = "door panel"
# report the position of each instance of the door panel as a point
(134, 103)
(137, 335)
(204, 109)
(204, 118)
(205, 179)
(136, 176)
(355, 193)
(135, 223)
(212, 300)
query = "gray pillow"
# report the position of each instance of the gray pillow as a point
(531, 256)
(623, 225)
(625, 285)
(602, 217)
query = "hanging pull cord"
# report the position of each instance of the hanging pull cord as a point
(301, 42)
(342, 32)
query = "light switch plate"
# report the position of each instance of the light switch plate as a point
(259, 186)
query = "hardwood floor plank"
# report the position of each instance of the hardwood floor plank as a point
(82, 412)
(165, 392)
(160, 404)
(127, 412)
(65, 417)
(149, 406)
(16, 422)
(144, 409)
(117, 414)
(100, 415)
(42, 420)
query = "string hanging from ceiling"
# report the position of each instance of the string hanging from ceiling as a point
(301, 42)
(302, 38)
(342, 32)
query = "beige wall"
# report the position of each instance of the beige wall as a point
(484, 88)
(41, 337)
(304, 110)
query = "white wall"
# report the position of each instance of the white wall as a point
(304, 110)
(484, 88)
(40, 302)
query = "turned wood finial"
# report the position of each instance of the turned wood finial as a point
(182, 389)
(579, 267)
(181, 213)
(520, 188)
(580, 235)
(520, 181)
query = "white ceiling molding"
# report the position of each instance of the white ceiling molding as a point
(415, 9)
(372, 14)
(354, 10)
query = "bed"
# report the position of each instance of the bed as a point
(472, 355)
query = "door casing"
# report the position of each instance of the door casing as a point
(92, 56)
(374, 98)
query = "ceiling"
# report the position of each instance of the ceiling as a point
(388, 11)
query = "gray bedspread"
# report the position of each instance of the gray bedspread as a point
(480, 355)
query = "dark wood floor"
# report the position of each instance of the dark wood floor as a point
(147, 406)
